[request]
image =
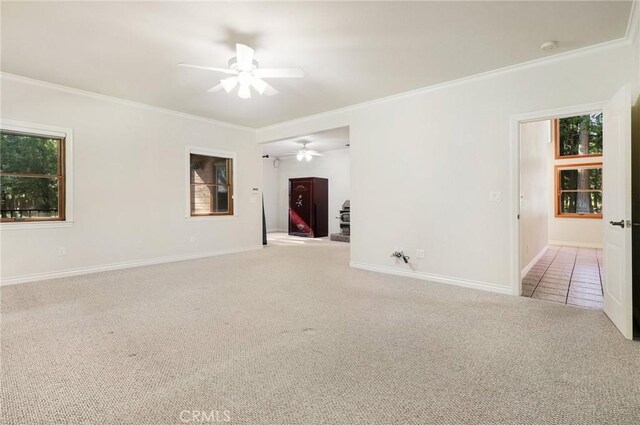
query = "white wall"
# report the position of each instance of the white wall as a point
(535, 140)
(423, 164)
(129, 181)
(333, 166)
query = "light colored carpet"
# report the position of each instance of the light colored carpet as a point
(292, 335)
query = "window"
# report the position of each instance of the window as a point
(578, 182)
(579, 136)
(32, 176)
(211, 185)
(579, 190)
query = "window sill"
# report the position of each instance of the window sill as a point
(211, 217)
(23, 225)
(588, 216)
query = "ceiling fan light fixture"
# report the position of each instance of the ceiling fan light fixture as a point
(300, 156)
(307, 156)
(244, 92)
(247, 74)
(245, 78)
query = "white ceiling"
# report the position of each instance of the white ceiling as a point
(322, 141)
(351, 51)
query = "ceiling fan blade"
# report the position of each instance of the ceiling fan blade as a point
(244, 56)
(215, 88)
(270, 91)
(262, 87)
(208, 68)
(279, 73)
(314, 153)
(259, 85)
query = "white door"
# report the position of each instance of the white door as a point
(616, 204)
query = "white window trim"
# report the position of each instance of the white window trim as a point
(46, 130)
(217, 153)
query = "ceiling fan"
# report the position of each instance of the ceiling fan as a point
(304, 153)
(246, 74)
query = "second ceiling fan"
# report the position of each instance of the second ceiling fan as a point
(246, 74)
(304, 153)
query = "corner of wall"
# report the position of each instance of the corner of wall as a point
(533, 262)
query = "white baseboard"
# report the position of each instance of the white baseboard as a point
(577, 244)
(117, 266)
(533, 262)
(433, 278)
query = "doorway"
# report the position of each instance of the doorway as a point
(561, 227)
(616, 276)
(314, 168)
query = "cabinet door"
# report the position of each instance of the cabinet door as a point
(301, 207)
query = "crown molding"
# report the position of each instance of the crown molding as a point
(631, 33)
(634, 22)
(99, 96)
(625, 41)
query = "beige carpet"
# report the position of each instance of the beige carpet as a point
(291, 335)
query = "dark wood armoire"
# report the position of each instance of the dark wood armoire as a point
(309, 207)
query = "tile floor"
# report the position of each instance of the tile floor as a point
(567, 275)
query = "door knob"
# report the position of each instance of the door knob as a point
(617, 223)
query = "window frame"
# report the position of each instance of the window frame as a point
(555, 130)
(558, 191)
(65, 174)
(232, 213)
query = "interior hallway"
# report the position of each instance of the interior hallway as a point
(567, 275)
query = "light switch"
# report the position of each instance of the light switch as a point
(495, 196)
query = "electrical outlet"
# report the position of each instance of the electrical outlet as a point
(139, 244)
(62, 251)
(495, 196)
(419, 253)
